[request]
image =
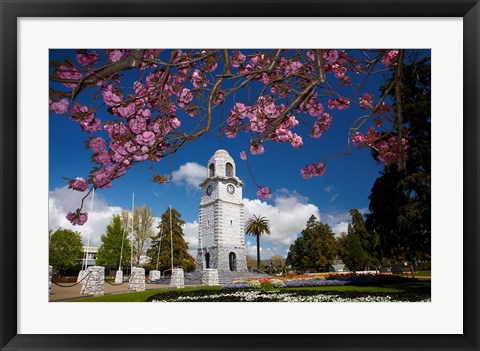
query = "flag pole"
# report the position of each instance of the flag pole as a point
(171, 237)
(131, 244)
(159, 247)
(88, 236)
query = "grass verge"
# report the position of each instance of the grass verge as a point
(419, 288)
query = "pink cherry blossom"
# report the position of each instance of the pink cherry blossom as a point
(78, 184)
(115, 55)
(358, 139)
(313, 170)
(69, 73)
(97, 144)
(111, 96)
(103, 177)
(146, 138)
(103, 158)
(198, 79)
(366, 101)
(390, 58)
(331, 56)
(237, 59)
(263, 192)
(185, 97)
(243, 155)
(137, 125)
(77, 217)
(340, 104)
(86, 59)
(256, 149)
(297, 141)
(231, 131)
(125, 111)
(59, 107)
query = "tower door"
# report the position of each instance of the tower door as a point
(232, 261)
(207, 260)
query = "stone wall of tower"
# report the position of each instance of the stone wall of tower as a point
(221, 217)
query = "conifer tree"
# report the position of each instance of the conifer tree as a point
(355, 257)
(181, 256)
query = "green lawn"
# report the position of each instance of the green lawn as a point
(421, 288)
(423, 274)
(139, 296)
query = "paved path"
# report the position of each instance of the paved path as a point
(73, 292)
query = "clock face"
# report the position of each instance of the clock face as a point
(209, 189)
(230, 189)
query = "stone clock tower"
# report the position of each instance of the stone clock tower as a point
(221, 240)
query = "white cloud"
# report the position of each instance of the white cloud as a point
(190, 174)
(329, 188)
(333, 198)
(190, 229)
(288, 216)
(63, 200)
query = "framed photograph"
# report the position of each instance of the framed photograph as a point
(39, 41)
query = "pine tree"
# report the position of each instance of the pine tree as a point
(181, 256)
(355, 257)
(111, 249)
(368, 240)
(400, 200)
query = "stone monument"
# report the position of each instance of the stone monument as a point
(137, 279)
(94, 283)
(221, 239)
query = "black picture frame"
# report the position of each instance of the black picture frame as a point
(12, 10)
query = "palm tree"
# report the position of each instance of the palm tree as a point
(257, 226)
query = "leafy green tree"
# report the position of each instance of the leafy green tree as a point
(252, 263)
(114, 243)
(181, 257)
(400, 200)
(65, 250)
(257, 226)
(314, 249)
(355, 257)
(142, 230)
(278, 262)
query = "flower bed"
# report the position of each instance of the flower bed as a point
(282, 296)
(321, 279)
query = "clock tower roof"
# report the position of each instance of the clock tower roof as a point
(221, 166)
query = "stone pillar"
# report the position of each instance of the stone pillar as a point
(94, 283)
(119, 277)
(50, 273)
(178, 278)
(154, 275)
(210, 277)
(137, 279)
(81, 274)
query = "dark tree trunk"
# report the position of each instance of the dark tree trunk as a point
(258, 252)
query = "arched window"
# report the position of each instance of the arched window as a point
(212, 170)
(229, 169)
(232, 261)
(207, 260)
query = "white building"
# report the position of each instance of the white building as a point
(221, 240)
(89, 255)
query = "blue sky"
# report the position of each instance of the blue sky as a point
(345, 185)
